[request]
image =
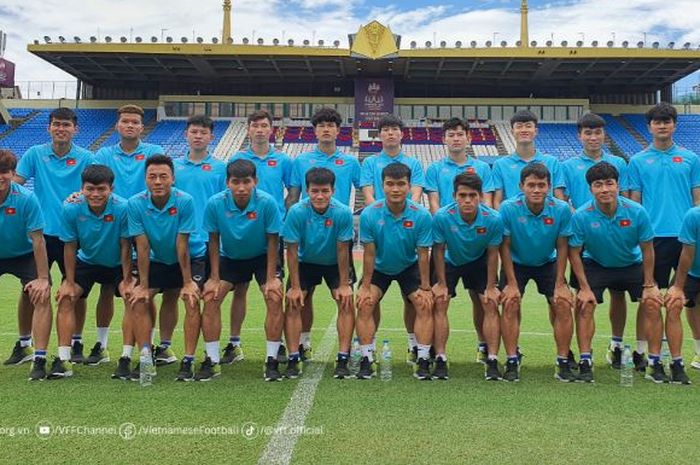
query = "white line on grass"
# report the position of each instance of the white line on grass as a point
(280, 447)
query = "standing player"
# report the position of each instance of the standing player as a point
(506, 170)
(97, 250)
(591, 133)
(202, 176)
(665, 179)
(346, 168)
(23, 254)
(472, 233)
(243, 225)
(615, 234)
(56, 169)
(161, 220)
(536, 227)
(439, 180)
(318, 232)
(274, 174)
(396, 235)
(390, 130)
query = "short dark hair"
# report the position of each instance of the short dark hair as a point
(64, 114)
(590, 121)
(389, 121)
(396, 171)
(537, 170)
(8, 160)
(97, 174)
(453, 123)
(258, 115)
(523, 116)
(320, 177)
(201, 120)
(601, 171)
(663, 111)
(240, 168)
(160, 159)
(470, 180)
(130, 109)
(326, 115)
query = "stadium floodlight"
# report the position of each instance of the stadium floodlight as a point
(320, 43)
(655, 45)
(594, 43)
(200, 40)
(504, 43)
(62, 39)
(275, 41)
(625, 44)
(564, 43)
(549, 43)
(458, 44)
(686, 45)
(245, 41)
(306, 42)
(488, 43)
(123, 39)
(77, 39)
(169, 40)
(214, 40)
(533, 43)
(428, 44)
(413, 44)
(610, 44)
(108, 39)
(671, 44)
(138, 39)
(183, 39)
(579, 43)
(640, 44)
(473, 43)
(518, 43)
(36, 41)
(93, 39)
(261, 41)
(443, 44)
(47, 39)
(336, 43)
(154, 39)
(290, 42)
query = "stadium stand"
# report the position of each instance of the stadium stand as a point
(231, 139)
(688, 132)
(627, 143)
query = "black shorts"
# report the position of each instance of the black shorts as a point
(163, 277)
(408, 279)
(626, 278)
(86, 275)
(54, 252)
(280, 255)
(22, 267)
(691, 290)
(667, 252)
(545, 276)
(473, 275)
(311, 275)
(243, 271)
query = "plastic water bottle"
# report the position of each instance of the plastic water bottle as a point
(146, 368)
(355, 356)
(385, 362)
(665, 355)
(627, 371)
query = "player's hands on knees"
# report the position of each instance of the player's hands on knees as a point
(344, 294)
(440, 292)
(563, 295)
(190, 293)
(491, 295)
(425, 297)
(510, 294)
(364, 296)
(652, 296)
(139, 294)
(38, 290)
(126, 288)
(212, 290)
(585, 297)
(67, 290)
(295, 297)
(272, 290)
(674, 298)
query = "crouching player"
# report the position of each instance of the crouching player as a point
(466, 235)
(243, 225)
(97, 250)
(396, 235)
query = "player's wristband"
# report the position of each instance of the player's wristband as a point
(648, 286)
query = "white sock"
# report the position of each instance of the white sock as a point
(367, 351)
(442, 357)
(25, 341)
(642, 347)
(305, 340)
(102, 336)
(212, 349)
(272, 348)
(64, 352)
(697, 346)
(373, 345)
(412, 342)
(127, 351)
(423, 351)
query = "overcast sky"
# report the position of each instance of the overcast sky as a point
(480, 20)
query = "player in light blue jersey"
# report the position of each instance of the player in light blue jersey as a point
(56, 169)
(616, 237)
(201, 175)
(535, 228)
(97, 250)
(591, 133)
(23, 254)
(439, 179)
(318, 232)
(390, 129)
(665, 178)
(396, 235)
(506, 170)
(327, 123)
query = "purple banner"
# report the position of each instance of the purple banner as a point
(7, 73)
(374, 98)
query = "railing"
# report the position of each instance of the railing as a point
(47, 89)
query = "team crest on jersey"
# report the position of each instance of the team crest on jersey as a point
(454, 228)
(548, 220)
(451, 211)
(677, 159)
(595, 225)
(484, 213)
(413, 207)
(522, 219)
(379, 205)
(625, 223)
(206, 167)
(172, 211)
(329, 222)
(272, 163)
(139, 156)
(650, 161)
(82, 218)
(70, 162)
(380, 222)
(9, 211)
(108, 218)
(252, 215)
(408, 224)
(340, 162)
(481, 230)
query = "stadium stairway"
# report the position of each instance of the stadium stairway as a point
(614, 148)
(637, 136)
(94, 147)
(231, 140)
(16, 123)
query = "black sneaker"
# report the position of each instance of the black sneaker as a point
(136, 371)
(293, 368)
(60, 369)
(432, 354)
(282, 354)
(656, 373)
(341, 369)
(20, 355)
(573, 364)
(97, 355)
(640, 362)
(38, 371)
(512, 372)
(491, 371)
(563, 372)
(231, 354)
(614, 357)
(421, 370)
(678, 375)
(186, 373)
(76, 352)
(520, 356)
(440, 370)
(585, 372)
(366, 371)
(208, 370)
(123, 370)
(272, 372)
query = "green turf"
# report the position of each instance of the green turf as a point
(463, 420)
